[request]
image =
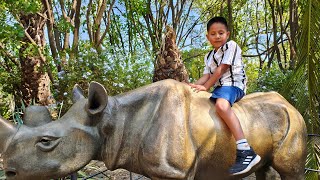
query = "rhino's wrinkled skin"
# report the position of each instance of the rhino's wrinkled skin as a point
(163, 131)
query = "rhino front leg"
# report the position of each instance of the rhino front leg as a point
(167, 150)
(160, 164)
(165, 171)
(174, 176)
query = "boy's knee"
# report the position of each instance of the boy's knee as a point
(222, 106)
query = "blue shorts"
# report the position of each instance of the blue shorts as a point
(229, 93)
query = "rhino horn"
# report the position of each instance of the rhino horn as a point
(36, 116)
(7, 130)
(97, 98)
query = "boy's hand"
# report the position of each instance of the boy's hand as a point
(197, 88)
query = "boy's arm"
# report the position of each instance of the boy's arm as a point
(216, 76)
(203, 79)
(213, 79)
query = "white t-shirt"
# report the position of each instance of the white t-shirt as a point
(229, 53)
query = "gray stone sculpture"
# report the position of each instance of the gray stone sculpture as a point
(163, 131)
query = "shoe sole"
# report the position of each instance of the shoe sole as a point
(254, 162)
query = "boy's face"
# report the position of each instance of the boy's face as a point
(217, 35)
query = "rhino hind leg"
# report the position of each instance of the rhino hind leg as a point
(261, 174)
(290, 162)
(267, 173)
(290, 169)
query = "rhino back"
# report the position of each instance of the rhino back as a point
(168, 129)
(270, 122)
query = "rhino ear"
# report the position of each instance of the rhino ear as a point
(77, 93)
(36, 116)
(97, 98)
(7, 130)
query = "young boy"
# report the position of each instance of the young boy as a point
(224, 68)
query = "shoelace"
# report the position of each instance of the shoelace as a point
(241, 156)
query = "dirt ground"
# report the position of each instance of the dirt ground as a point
(120, 174)
(97, 170)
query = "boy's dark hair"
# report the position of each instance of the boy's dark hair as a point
(217, 19)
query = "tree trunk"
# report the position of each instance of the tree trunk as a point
(168, 63)
(35, 82)
(230, 19)
(293, 21)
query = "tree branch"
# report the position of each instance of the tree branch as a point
(107, 23)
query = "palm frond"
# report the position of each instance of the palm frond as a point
(312, 158)
(302, 88)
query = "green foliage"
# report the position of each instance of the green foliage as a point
(252, 72)
(264, 80)
(64, 26)
(10, 32)
(2, 175)
(138, 7)
(8, 89)
(194, 62)
(304, 83)
(25, 6)
(302, 88)
(313, 158)
(6, 104)
(117, 72)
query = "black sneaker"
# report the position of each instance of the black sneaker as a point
(246, 159)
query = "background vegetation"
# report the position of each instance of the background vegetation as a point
(47, 46)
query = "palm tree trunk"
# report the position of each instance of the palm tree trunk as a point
(35, 82)
(168, 63)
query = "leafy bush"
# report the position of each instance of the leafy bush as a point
(117, 72)
(266, 79)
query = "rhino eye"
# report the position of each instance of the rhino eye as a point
(47, 143)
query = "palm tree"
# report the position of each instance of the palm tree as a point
(302, 88)
(34, 70)
(35, 81)
(168, 63)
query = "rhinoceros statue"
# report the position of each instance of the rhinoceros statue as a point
(163, 131)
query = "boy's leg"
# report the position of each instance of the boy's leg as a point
(246, 157)
(224, 110)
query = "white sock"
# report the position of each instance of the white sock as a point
(242, 144)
